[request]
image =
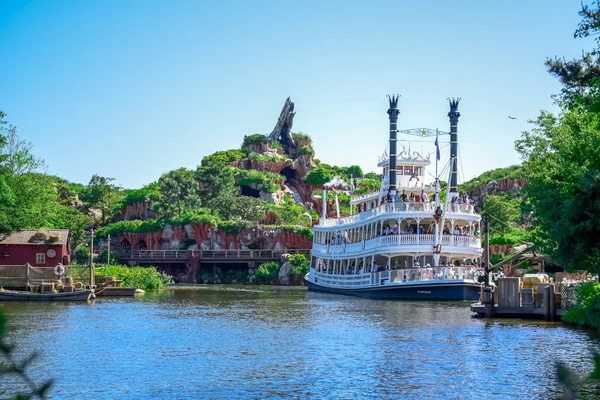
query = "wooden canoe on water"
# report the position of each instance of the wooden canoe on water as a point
(117, 291)
(84, 295)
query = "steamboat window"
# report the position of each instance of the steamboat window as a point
(408, 170)
(418, 171)
(399, 170)
(40, 258)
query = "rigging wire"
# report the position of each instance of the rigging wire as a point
(502, 222)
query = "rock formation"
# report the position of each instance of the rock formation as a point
(282, 132)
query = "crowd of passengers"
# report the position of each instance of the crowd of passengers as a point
(424, 198)
(409, 230)
(375, 267)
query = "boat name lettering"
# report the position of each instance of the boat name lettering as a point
(424, 292)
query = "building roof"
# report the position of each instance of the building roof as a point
(40, 236)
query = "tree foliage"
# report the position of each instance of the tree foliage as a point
(576, 75)
(178, 191)
(100, 193)
(217, 185)
(244, 208)
(561, 156)
(503, 210)
(318, 176)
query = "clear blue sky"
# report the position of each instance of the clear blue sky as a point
(133, 89)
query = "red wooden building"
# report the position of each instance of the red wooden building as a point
(40, 248)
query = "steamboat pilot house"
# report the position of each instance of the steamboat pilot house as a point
(402, 243)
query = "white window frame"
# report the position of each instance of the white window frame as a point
(40, 258)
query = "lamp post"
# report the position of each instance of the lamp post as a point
(91, 233)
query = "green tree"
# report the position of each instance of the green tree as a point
(217, 184)
(319, 176)
(244, 208)
(577, 75)
(561, 164)
(101, 194)
(355, 171)
(178, 192)
(504, 210)
(373, 175)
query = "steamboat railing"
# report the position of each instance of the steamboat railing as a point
(396, 276)
(398, 207)
(398, 240)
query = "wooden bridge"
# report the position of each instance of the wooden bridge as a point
(213, 256)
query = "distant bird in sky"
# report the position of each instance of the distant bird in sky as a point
(512, 117)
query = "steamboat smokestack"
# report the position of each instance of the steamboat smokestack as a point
(393, 113)
(453, 115)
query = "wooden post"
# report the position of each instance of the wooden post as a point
(552, 303)
(549, 306)
(27, 277)
(108, 256)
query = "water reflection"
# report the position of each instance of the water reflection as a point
(249, 342)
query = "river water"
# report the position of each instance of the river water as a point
(276, 342)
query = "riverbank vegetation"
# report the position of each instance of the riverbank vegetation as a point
(587, 306)
(268, 272)
(146, 278)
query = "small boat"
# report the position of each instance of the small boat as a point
(84, 295)
(117, 291)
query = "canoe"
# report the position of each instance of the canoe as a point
(116, 291)
(84, 295)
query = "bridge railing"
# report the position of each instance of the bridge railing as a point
(154, 254)
(210, 254)
(245, 254)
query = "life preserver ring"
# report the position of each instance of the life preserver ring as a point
(59, 269)
(438, 249)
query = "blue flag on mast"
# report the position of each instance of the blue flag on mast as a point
(437, 148)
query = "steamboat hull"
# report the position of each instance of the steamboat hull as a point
(439, 292)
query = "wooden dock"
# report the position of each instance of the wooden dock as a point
(510, 300)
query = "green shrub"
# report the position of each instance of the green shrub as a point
(103, 257)
(147, 278)
(256, 138)
(306, 150)
(233, 226)
(587, 309)
(273, 157)
(136, 226)
(300, 135)
(366, 185)
(318, 176)
(223, 157)
(496, 258)
(147, 193)
(514, 236)
(82, 255)
(268, 181)
(266, 273)
(301, 265)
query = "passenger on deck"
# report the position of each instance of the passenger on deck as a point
(403, 196)
(416, 265)
(446, 230)
(421, 229)
(424, 197)
(456, 230)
